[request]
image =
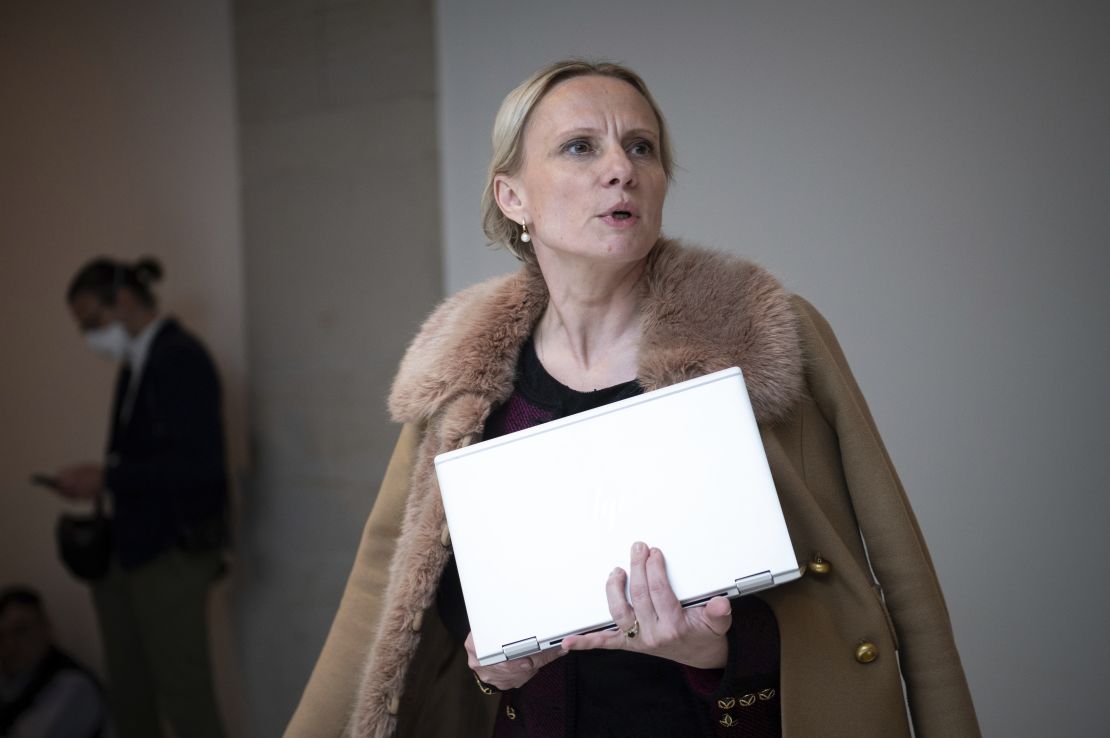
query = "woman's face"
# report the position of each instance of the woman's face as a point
(592, 183)
(89, 312)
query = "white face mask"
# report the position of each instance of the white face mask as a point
(110, 340)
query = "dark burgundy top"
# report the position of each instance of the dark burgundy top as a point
(618, 693)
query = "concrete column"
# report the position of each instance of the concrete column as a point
(337, 110)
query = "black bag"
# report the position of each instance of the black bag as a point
(85, 543)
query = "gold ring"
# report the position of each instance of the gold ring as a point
(631, 632)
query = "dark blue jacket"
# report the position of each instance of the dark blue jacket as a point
(167, 465)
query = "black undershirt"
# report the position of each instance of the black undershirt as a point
(610, 692)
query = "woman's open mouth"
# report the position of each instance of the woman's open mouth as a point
(621, 217)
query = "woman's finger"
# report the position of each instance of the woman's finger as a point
(619, 608)
(663, 598)
(543, 658)
(642, 605)
(471, 656)
(610, 640)
(718, 615)
(622, 613)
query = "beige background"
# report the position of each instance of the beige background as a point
(117, 137)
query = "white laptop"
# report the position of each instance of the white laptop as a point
(539, 518)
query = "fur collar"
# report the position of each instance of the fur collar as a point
(702, 311)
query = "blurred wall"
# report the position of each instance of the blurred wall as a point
(117, 137)
(934, 177)
(337, 110)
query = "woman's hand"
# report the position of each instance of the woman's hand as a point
(81, 481)
(655, 623)
(510, 674)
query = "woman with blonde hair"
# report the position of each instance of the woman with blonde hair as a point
(605, 307)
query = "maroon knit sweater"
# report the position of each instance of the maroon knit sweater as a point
(618, 693)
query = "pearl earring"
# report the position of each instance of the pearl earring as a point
(524, 237)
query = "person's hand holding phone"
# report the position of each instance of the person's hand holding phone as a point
(84, 481)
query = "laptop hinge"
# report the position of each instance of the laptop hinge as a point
(754, 583)
(521, 648)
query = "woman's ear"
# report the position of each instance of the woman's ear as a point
(506, 192)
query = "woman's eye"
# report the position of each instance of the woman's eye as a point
(641, 148)
(578, 146)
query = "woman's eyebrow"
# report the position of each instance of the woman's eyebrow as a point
(593, 131)
(577, 131)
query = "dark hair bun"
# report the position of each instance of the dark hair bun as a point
(147, 270)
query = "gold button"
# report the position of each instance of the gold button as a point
(417, 621)
(445, 536)
(727, 704)
(510, 712)
(727, 721)
(819, 566)
(747, 700)
(394, 705)
(866, 652)
(767, 694)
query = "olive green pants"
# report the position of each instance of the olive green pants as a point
(154, 628)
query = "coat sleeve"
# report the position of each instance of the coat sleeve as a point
(742, 698)
(329, 697)
(936, 688)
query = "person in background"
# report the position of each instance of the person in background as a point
(44, 692)
(165, 479)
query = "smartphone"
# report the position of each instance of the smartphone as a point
(45, 480)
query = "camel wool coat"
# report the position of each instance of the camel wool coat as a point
(848, 636)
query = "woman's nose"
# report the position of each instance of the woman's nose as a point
(618, 168)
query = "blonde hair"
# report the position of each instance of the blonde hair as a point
(508, 139)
